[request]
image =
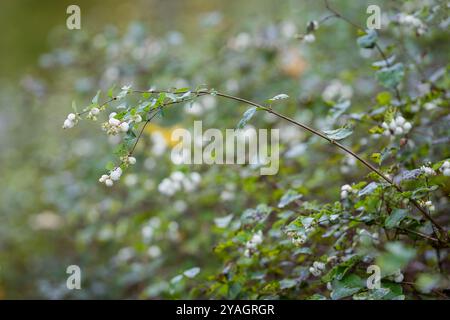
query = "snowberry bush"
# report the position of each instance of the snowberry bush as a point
(364, 169)
(299, 240)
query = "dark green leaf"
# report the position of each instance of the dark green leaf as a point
(368, 40)
(390, 77)
(338, 134)
(289, 197)
(395, 218)
(246, 117)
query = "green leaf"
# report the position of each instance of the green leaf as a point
(246, 117)
(161, 98)
(109, 165)
(397, 257)
(74, 106)
(375, 294)
(384, 98)
(339, 271)
(288, 283)
(376, 157)
(176, 279)
(368, 40)
(395, 290)
(181, 90)
(259, 214)
(281, 96)
(384, 63)
(316, 296)
(111, 91)
(395, 218)
(223, 222)
(191, 273)
(338, 134)
(339, 108)
(95, 99)
(427, 282)
(347, 286)
(288, 197)
(121, 150)
(390, 77)
(368, 189)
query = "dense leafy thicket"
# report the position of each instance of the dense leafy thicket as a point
(224, 231)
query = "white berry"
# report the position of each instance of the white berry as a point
(103, 178)
(116, 173)
(68, 124)
(114, 122)
(124, 126)
(407, 126)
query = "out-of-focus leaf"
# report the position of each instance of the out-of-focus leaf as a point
(390, 77)
(396, 257)
(368, 189)
(288, 197)
(339, 108)
(347, 286)
(281, 96)
(338, 134)
(191, 273)
(223, 222)
(246, 117)
(340, 270)
(395, 218)
(288, 283)
(368, 40)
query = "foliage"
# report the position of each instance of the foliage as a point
(200, 231)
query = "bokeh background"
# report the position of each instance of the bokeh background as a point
(131, 241)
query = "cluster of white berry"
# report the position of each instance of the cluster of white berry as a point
(413, 22)
(427, 171)
(397, 126)
(177, 181)
(92, 114)
(252, 244)
(297, 238)
(114, 175)
(128, 160)
(398, 276)
(346, 189)
(71, 121)
(114, 126)
(445, 168)
(317, 268)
